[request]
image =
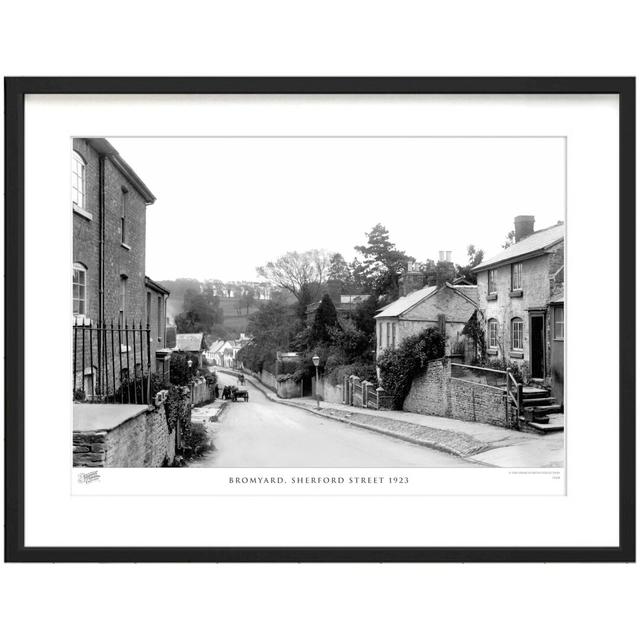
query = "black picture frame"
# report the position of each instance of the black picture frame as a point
(15, 91)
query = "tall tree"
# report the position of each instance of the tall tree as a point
(382, 262)
(509, 239)
(271, 328)
(302, 274)
(201, 312)
(475, 258)
(326, 318)
(339, 269)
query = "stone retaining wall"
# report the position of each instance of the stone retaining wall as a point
(142, 441)
(330, 392)
(436, 393)
(477, 403)
(201, 392)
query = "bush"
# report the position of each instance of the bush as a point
(179, 370)
(177, 410)
(196, 441)
(208, 375)
(520, 372)
(364, 371)
(296, 375)
(399, 367)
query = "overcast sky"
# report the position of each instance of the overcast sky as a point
(227, 205)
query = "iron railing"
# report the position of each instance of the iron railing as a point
(111, 362)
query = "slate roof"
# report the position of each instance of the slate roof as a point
(102, 145)
(156, 286)
(189, 341)
(469, 290)
(401, 305)
(405, 303)
(216, 346)
(535, 244)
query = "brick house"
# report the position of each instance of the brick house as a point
(109, 203)
(156, 307)
(447, 308)
(521, 296)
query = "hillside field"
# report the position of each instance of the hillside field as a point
(233, 322)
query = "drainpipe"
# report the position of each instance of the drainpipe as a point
(101, 216)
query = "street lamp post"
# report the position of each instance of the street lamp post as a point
(316, 362)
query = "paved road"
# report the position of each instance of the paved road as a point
(262, 433)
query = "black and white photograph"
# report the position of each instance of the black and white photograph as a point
(327, 302)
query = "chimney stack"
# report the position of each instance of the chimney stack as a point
(411, 280)
(523, 227)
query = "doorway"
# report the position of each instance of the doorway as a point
(536, 335)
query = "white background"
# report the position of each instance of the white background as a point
(400, 38)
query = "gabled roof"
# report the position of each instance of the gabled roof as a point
(189, 341)
(152, 284)
(216, 346)
(531, 246)
(404, 304)
(102, 145)
(467, 290)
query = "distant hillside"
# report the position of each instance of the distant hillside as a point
(235, 315)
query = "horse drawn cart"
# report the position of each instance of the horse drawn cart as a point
(236, 394)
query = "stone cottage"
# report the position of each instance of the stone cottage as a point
(521, 296)
(447, 308)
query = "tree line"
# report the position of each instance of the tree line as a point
(345, 344)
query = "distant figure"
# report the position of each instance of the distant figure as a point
(241, 378)
(216, 390)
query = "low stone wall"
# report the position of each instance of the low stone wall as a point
(201, 392)
(141, 440)
(268, 379)
(477, 402)
(429, 392)
(330, 392)
(288, 389)
(436, 393)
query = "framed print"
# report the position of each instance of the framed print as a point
(320, 319)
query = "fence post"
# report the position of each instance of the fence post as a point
(520, 387)
(365, 389)
(507, 403)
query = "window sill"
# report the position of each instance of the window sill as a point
(125, 246)
(516, 355)
(515, 294)
(492, 352)
(492, 296)
(82, 212)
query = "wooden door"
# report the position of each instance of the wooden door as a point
(536, 342)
